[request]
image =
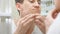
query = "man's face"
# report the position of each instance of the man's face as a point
(30, 7)
(57, 4)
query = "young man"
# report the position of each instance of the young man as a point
(29, 12)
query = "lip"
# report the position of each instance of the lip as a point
(36, 9)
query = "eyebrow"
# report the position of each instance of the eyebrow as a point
(31, 0)
(39, 0)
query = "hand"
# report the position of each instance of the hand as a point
(40, 23)
(24, 24)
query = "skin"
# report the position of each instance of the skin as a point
(57, 8)
(32, 8)
(53, 14)
(40, 23)
(24, 24)
(57, 4)
(28, 7)
(30, 15)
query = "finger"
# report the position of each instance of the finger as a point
(29, 22)
(38, 22)
(31, 28)
(41, 18)
(40, 25)
(28, 16)
(31, 16)
(27, 25)
(22, 20)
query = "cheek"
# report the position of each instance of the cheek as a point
(26, 5)
(26, 8)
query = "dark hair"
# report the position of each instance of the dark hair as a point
(20, 1)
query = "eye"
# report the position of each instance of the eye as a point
(32, 1)
(39, 1)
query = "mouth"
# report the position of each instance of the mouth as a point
(35, 8)
(35, 11)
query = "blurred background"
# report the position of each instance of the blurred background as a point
(8, 12)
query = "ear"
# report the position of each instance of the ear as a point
(19, 6)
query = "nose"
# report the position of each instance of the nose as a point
(36, 5)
